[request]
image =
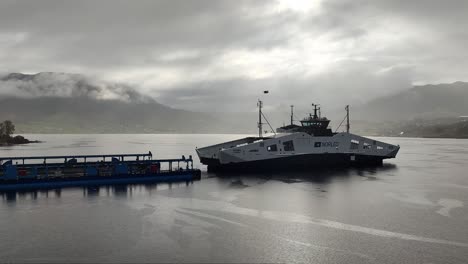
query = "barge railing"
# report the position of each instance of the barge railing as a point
(18, 168)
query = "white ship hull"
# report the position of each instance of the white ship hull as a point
(296, 151)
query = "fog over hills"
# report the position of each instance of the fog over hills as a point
(426, 102)
(214, 59)
(70, 103)
(73, 103)
(422, 111)
(53, 84)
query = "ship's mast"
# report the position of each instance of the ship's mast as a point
(347, 118)
(259, 104)
(292, 113)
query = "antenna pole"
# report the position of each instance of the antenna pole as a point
(292, 113)
(347, 118)
(259, 104)
(315, 110)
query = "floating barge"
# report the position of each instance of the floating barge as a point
(48, 172)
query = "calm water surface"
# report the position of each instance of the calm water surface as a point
(411, 210)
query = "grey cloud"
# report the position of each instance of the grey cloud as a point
(428, 36)
(341, 19)
(352, 83)
(108, 33)
(364, 15)
(65, 85)
(381, 47)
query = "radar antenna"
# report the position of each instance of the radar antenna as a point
(316, 109)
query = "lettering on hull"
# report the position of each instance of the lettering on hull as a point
(326, 144)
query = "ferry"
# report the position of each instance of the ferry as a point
(46, 172)
(310, 145)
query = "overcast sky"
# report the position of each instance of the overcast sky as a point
(205, 55)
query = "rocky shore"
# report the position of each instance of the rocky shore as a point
(16, 140)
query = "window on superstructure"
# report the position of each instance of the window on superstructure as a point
(354, 144)
(272, 148)
(288, 145)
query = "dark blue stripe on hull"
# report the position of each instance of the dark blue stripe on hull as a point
(96, 181)
(300, 162)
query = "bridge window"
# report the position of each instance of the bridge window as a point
(354, 144)
(288, 145)
(253, 150)
(272, 148)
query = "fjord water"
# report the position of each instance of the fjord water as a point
(411, 210)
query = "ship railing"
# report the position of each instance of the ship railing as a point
(233, 143)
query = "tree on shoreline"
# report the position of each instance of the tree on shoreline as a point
(7, 128)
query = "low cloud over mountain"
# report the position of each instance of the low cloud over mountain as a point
(72, 103)
(425, 101)
(50, 84)
(195, 54)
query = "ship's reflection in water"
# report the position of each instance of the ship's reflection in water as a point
(357, 215)
(121, 190)
(319, 175)
(12, 196)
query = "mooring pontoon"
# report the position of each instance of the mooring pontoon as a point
(79, 170)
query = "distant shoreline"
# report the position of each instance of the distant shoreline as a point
(16, 140)
(243, 134)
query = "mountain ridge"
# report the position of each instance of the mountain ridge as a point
(50, 102)
(72, 103)
(419, 102)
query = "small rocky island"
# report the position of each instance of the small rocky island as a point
(7, 128)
